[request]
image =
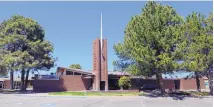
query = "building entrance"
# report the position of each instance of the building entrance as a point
(102, 85)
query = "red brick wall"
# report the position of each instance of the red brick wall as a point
(137, 83)
(7, 84)
(183, 84)
(104, 72)
(168, 84)
(96, 64)
(48, 86)
(75, 83)
(190, 84)
(66, 83)
(104, 67)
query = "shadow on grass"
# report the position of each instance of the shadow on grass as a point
(17, 92)
(174, 95)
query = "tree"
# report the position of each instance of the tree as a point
(125, 63)
(209, 70)
(23, 47)
(9, 58)
(3, 71)
(75, 66)
(124, 82)
(150, 40)
(198, 40)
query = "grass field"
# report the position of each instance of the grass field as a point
(97, 93)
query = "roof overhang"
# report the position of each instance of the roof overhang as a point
(77, 71)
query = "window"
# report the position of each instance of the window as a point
(69, 73)
(75, 73)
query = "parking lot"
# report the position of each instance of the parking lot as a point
(19, 100)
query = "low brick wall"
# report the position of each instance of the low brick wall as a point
(48, 86)
(77, 83)
(169, 84)
(137, 83)
(65, 83)
(190, 84)
(7, 84)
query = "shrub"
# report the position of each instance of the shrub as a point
(124, 82)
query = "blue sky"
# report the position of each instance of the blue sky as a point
(72, 26)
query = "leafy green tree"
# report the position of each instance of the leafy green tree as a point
(124, 82)
(150, 40)
(75, 66)
(23, 47)
(198, 40)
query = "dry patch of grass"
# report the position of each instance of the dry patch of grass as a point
(97, 93)
(195, 93)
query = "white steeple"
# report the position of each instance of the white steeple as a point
(101, 33)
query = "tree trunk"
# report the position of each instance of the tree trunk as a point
(26, 80)
(22, 80)
(197, 78)
(211, 86)
(210, 80)
(11, 80)
(121, 88)
(160, 82)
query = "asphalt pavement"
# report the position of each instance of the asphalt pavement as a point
(44, 100)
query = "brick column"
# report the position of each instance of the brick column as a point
(96, 64)
(104, 72)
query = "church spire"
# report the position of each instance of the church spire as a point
(101, 32)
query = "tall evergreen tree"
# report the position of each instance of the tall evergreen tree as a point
(198, 51)
(23, 48)
(151, 39)
(209, 60)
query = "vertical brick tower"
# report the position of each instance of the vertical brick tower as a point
(100, 65)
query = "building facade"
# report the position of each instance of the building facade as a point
(100, 79)
(80, 80)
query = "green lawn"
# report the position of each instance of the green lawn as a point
(195, 93)
(97, 93)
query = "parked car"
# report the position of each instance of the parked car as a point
(148, 87)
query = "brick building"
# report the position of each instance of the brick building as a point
(68, 79)
(79, 80)
(101, 79)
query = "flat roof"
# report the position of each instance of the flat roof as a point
(89, 72)
(77, 70)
